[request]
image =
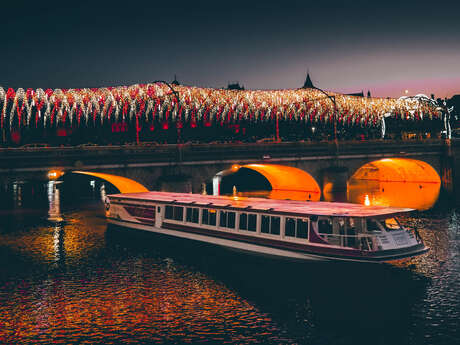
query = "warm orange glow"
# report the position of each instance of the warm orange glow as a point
(123, 184)
(288, 182)
(366, 200)
(397, 182)
(235, 167)
(55, 174)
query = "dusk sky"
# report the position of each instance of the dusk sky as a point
(348, 46)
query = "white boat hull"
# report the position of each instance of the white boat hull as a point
(247, 247)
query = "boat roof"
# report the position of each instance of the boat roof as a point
(297, 208)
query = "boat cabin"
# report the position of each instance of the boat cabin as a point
(365, 228)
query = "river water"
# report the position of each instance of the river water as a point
(65, 278)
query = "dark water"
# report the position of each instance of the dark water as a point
(67, 279)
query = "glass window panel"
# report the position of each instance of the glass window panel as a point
(212, 217)
(178, 213)
(195, 215)
(231, 220)
(169, 212)
(149, 213)
(302, 228)
(372, 225)
(205, 217)
(290, 227)
(243, 221)
(223, 219)
(252, 222)
(275, 225)
(265, 224)
(325, 226)
(188, 214)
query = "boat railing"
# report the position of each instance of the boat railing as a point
(359, 241)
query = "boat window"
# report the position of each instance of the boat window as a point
(205, 216)
(168, 212)
(302, 228)
(252, 222)
(358, 224)
(223, 219)
(275, 225)
(149, 213)
(192, 215)
(227, 219)
(212, 217)
(372, 225)
(265, 224)
(196, 215)
(338, 226)
(178, 213)
(231, 220)
(325, 226)
(243, 221)
(289, 229)
(391, 224)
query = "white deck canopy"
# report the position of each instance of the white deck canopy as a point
(298, 208)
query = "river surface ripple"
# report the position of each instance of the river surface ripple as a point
(65, 278)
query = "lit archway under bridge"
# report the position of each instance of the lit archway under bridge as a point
(267, 180)
(123, 184)
(398, 182)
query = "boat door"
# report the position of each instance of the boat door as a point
(159, 216)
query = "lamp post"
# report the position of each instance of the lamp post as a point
(332, 99)
(176, 94)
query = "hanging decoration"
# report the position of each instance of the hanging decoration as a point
(204, 107)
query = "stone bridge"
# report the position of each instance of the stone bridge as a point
(189, 166)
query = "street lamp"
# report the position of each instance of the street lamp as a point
(176, 94)
(332, 99)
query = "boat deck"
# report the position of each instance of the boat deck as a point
(298, 208)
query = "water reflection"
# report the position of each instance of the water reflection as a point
(315, 301)
(397, 182)
(75, 281)
(54, 202)
(417, 195)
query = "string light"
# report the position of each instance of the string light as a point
(147, 102)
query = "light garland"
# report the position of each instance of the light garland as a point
(149, 102)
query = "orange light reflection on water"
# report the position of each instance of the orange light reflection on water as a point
(397, 182)
(420, 196)
(106, 305)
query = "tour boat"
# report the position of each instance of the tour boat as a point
(283, 228)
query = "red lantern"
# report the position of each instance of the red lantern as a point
(165, 125)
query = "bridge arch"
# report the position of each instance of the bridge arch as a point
(399, 182)
(123, 184)
(271, 180)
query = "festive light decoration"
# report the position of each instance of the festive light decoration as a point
(205, 106)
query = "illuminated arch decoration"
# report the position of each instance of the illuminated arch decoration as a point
(398, 182)
(284, 182)
(123, 184)
(195, 106)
